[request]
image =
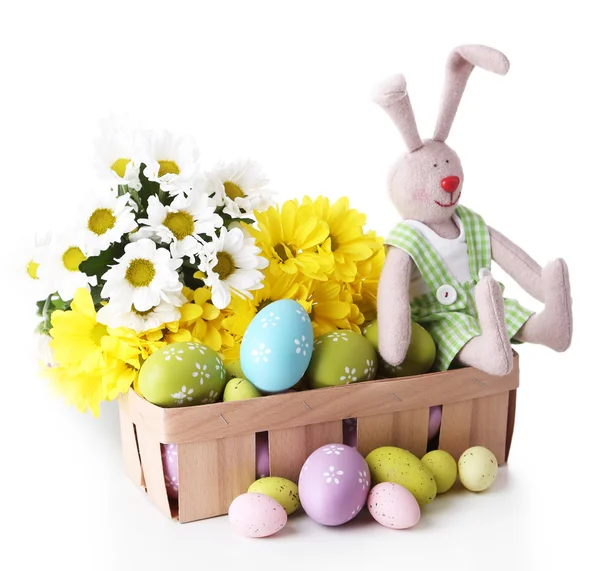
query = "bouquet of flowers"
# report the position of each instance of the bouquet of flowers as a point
(169, 251)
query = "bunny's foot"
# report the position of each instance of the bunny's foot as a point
(552, 327)
(491, 351)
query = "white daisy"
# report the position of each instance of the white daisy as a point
(140, 321)
(107, 218)
(143, 277)
(38, 289)
(232, 262)
(181, 224)
(118, 152)
(172, 162)
(239, 187)
(59, 267)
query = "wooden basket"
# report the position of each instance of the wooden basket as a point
(217, 442)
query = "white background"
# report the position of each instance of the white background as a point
(288, 83)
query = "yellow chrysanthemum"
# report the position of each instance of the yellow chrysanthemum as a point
(84, 390)
(291, 241)
(347, 240)
(364, 287)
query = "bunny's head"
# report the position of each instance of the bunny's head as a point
(426, 183)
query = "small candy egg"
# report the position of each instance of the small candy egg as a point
(443, 467)
(477, 468)
(277, 346)
(340, 358)
(333, 485)
(435, 421)
(256, 515)
(262, 455)
(240, 389)
(280, 489)
(393, 506)
(170, 469)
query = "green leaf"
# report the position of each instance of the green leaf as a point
(98, 265)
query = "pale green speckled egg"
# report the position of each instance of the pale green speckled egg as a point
(477, 468)
(340, 358)
(284, 491)
(182, 374)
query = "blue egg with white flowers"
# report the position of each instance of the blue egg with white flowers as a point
(277, 346)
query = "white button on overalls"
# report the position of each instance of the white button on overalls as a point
(446, 295)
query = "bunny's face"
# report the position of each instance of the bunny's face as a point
(426, 184)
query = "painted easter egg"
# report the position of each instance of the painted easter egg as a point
(477, 468)
(334, 484)
(443, 467)
(233, 370)
(170, 469)
(277, 346)
(256, 515)
(393, 464)
(341, 357)
(349, 431)
(182, 374)
(393, 506)
(282, 490)
(262, 455)
(240, 389)
(435, 421)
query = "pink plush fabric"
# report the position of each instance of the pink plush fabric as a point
(460, 64)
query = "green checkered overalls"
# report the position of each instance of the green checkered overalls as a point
(448, 311)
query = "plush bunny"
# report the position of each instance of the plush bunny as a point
(437, 268)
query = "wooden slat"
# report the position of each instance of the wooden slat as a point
(154, 478)
(512, 406)
(219, 420)
(129, 446)
(406, 430)
(212, 474)
(290, 447)
(480, 422)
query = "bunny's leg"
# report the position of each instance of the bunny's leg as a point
(491, 351)
(552, 327)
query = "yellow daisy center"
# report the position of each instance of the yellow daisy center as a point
(32, 268)
(225, 265)
(72, 258)
(167, 167)
(232, 190)
(140, 272)
(101, 221)
(120, 166)
(180, 223)
(97, 333)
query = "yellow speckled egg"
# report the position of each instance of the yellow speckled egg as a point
(477, 468)
(240, 389)
(392, 464)
(284, 491)
(443, 467)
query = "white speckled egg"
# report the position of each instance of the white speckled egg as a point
(393, 506)
(277, 346)
(477, 468)
(256, 515)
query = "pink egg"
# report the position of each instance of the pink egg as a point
(256, 515)
(435, 421)
(262, 455)
(334, 483)
(393, 506)
(350, 432)
(170, 469)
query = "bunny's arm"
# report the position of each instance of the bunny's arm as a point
(393, 306)
(517, 264)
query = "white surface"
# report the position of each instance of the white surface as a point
(289, 84)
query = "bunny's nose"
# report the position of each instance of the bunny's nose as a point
(450, 183)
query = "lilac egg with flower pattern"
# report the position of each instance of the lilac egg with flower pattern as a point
(277, 346)
(334, 484)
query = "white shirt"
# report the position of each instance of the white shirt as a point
(452, 250)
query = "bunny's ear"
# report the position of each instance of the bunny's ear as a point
(460, 64)
(393, 97)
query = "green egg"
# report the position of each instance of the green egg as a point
(240, 389)
(419, 357)
(182, 374)
(282, 490)
(233, 369)
(443, 467)
(340, 358)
